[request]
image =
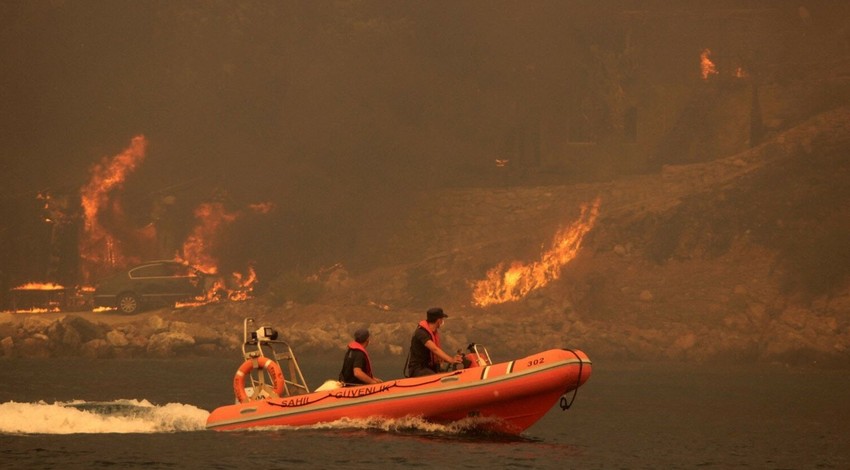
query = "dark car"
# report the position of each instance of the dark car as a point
(151, 284)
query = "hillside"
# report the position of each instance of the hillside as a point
(741, 258)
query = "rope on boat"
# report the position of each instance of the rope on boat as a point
(441, 377)
(564, 404)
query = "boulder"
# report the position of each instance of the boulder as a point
(169, 343)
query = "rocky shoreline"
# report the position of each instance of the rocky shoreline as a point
(796, 337)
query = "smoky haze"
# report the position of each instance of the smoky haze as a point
(335, 112)
(329, 111)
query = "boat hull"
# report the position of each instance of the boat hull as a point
(507, 397)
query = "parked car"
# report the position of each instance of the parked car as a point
(151, 284)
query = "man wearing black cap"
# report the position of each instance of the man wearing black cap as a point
(356, 367)
(425, 352)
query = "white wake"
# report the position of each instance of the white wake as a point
(81, 417)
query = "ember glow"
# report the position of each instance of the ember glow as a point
(99, 247)
(515, 282)
(706, 65)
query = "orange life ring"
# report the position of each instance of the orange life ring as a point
(247, 367)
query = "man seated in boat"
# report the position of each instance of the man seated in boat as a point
(356, 366)
(426, 355)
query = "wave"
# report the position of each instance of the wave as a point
(83, 417)
(128, 416)
(469, 428)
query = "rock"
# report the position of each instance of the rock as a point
(35, 346)
(156, 323)
(87, 330)
(117, 338)
(167, 344)
(71, 339)
(8, 346)
(56, 332)
(202, 334)
(96, 349)
(34, 324)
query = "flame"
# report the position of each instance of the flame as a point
(39, 286)
(197, 249)
(706, 65)
(107, 243)
(38, 310)
(99, 245)
(244, 285)
(511, 284)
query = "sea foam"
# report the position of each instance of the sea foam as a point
(82, 417)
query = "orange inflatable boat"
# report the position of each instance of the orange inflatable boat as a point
(505, 398)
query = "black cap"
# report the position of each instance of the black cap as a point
(361, 335)
(435, 314)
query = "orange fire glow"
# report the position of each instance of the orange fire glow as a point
(211, 219)
(109, 243)
(99, 247)
(197, 249)
(511, 284)
(706, 65)
(39, 286)
(244, 284)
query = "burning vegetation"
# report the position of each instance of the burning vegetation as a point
(516, 281)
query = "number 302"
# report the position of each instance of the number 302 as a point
(535, 362)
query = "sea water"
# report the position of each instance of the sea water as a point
(82, 413)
